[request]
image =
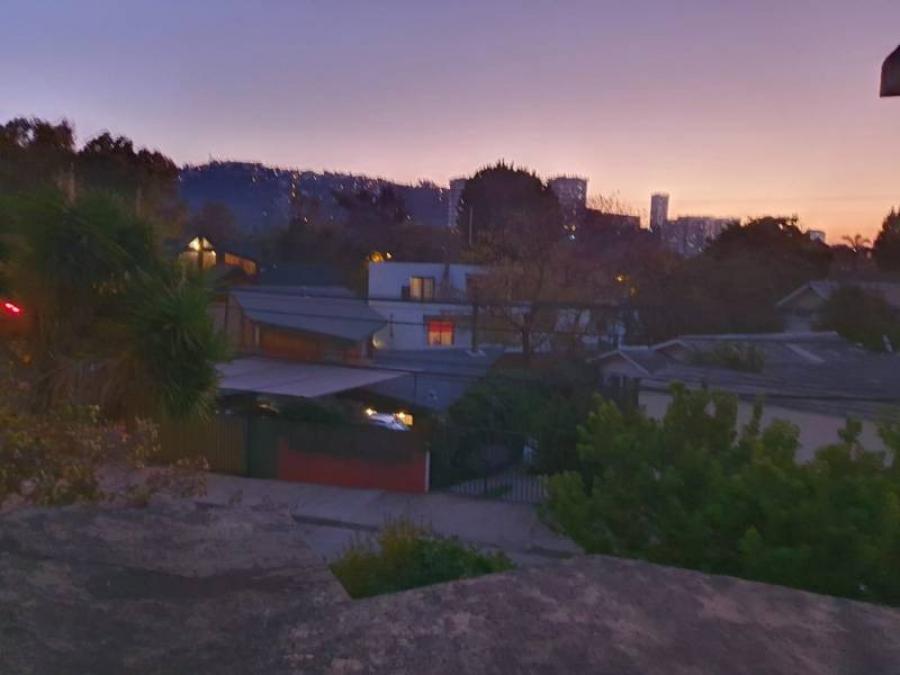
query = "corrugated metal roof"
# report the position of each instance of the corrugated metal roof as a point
(291, 378)
(323, 310)
(440, 377)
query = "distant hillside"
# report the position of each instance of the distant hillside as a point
(260, 197)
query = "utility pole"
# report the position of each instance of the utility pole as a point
(475, 321)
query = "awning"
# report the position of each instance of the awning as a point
(291, 378)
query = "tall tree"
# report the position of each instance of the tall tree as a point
(886, 250)
(34, 152)
(508, 213)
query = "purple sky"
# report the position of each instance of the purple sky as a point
(734, 107)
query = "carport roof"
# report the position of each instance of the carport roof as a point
(291, 378)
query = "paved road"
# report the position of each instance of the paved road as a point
(329, 518)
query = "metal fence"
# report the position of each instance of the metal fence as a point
(514, 484)
(220, 440)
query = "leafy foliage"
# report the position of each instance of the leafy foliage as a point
(734, 285)
(863, 317)
(508, 213)
(886, 249)
(57, 456)
(407, 557)
(111, 322)
(694, 490)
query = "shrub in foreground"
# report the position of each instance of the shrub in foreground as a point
(405, 556)
(695, 490)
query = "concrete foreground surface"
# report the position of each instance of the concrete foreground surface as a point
(179, 588)
(329, 518)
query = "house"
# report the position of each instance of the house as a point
(424, 305)
(814, 380)
(229, 261)
(296, 344)
(801, 310)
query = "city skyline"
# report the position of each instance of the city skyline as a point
(733, 111)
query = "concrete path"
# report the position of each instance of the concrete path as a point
(329, 518)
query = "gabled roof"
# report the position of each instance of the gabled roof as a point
(814, 371)
(824, 288)
(290, 378)
(332, 311)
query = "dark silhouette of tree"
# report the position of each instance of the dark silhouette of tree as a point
(734, 284)
(35, 153)
(508, 213)
(886, 250)
(147, 179)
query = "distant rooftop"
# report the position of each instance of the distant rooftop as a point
(325, 310)
(824, 288)
(820, 371)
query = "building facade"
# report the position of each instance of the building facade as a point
(457, 185)
(689, 235)
(425, 305)
(659, 211)
(571, 192)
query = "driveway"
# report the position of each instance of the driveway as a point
(329, 518)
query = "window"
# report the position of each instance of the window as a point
(440, 332)
(421, 288)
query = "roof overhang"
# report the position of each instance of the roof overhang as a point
(291, 378)
(797, 292)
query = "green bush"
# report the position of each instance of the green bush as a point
(405, 556)
(694, 490)
(862, 317)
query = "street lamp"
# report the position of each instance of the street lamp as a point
(890, 75)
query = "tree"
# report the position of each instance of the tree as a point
(696, 490)
(857, 243)
(734, 285)
(111, 322)
(146, 179)
(35, 153)
(508, 213)
(863, 317)
(886, 250)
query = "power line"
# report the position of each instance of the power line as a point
(287, 291)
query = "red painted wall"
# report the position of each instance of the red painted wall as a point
(406, 475)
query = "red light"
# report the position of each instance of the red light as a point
(11, 308)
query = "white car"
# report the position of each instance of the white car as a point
(387, 421)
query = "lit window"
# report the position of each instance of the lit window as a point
(440, 333)
(421, 288)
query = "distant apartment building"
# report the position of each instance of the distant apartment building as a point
(424, 304)
(686, 235)
(689, 235)
(571, 192)
(457, 185)
(659, 211)
(817, 235)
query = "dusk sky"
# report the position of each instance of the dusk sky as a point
(735, 108)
